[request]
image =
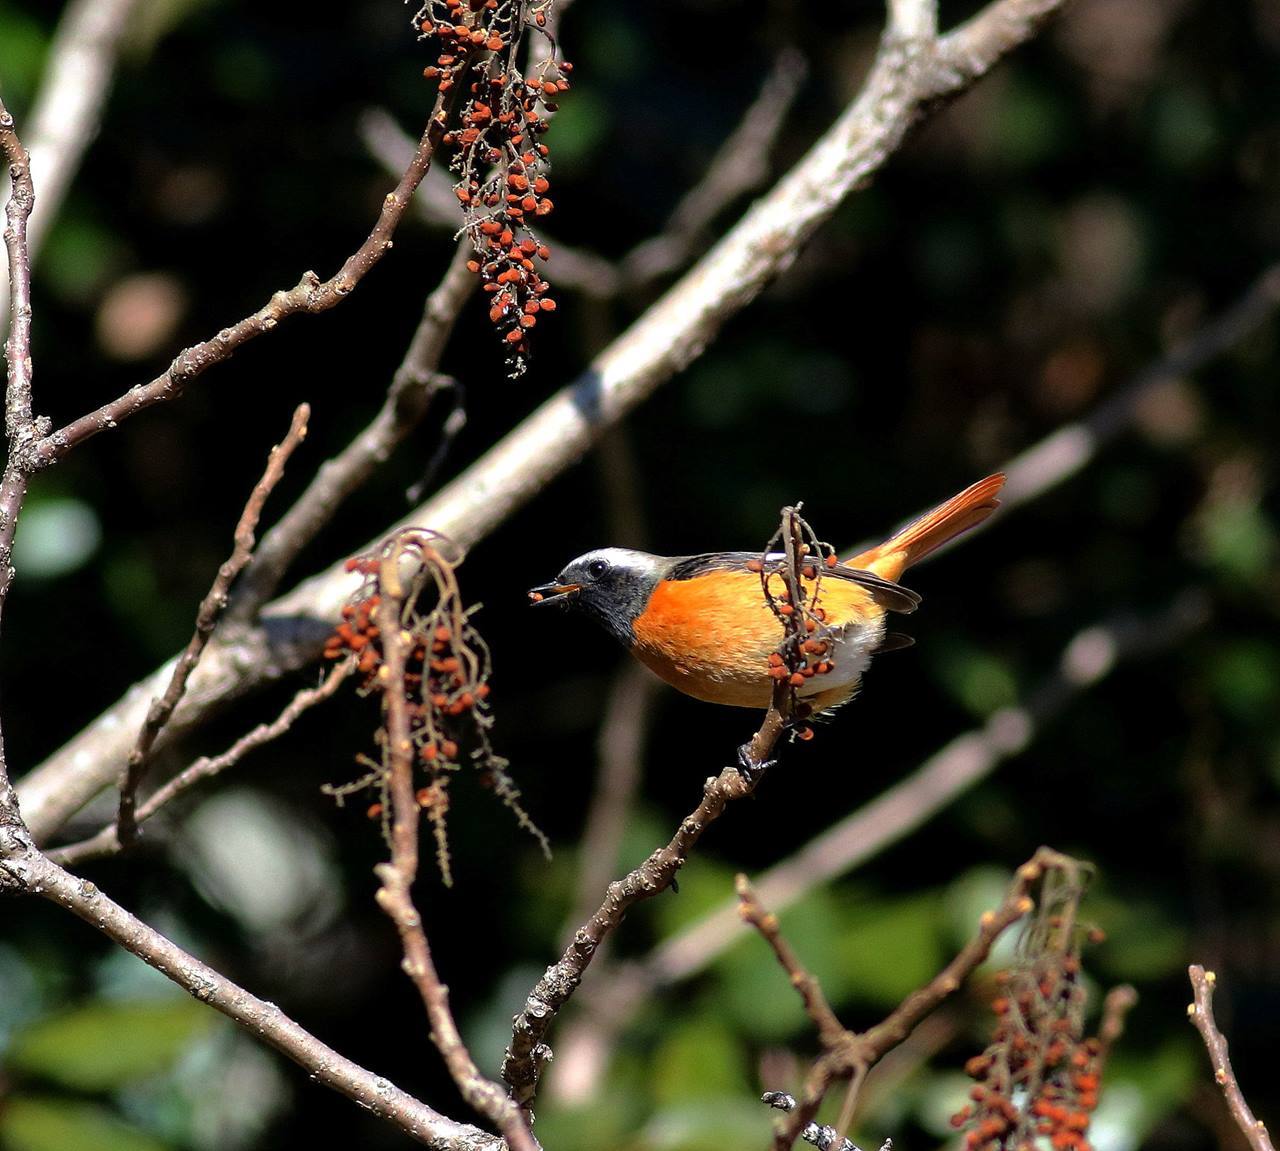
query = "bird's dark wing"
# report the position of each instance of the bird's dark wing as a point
(889, 595)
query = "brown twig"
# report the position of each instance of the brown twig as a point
(107, 841)
(830, 1030)
(1115, 1010)
(415, 384)
(310, 295)
(1201, 1015)
(397, 876)
(207, 617)
(847, 1054)
(665, 339)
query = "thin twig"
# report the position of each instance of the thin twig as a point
(107, 841)
(830, 1030)
(413, 387)
(207, 617)
(1115, 1010)
(69, 105)
(310, 295)
(1201, 1014)
(669, 336)
(397, 875)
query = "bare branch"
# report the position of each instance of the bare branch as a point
(830, 1030)
(19, 426)
(206, 620)
(107, 841)
(664, 340)
(398, 875)
(413, 387)
(69, 105)
(1201, 1015)
(38, 875)
(310, 295)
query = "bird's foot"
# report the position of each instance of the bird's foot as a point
(748, 768)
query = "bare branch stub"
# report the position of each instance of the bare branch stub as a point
(1200, 1012)
(207, 617)
(444, 677)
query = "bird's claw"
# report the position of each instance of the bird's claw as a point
(748, 768)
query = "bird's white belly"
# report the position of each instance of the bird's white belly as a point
(851, 657)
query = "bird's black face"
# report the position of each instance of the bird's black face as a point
(610, 584)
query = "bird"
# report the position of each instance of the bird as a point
(702, 622)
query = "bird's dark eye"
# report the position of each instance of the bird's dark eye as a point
(597, 568)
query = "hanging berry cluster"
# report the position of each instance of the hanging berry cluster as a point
(446, 682)
(791, 581)
(1037, 1082)
(500, 159)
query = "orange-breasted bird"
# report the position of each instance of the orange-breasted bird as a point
(703, 625)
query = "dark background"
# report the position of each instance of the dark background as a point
(1102, 195)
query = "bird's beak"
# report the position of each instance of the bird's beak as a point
(552, 592)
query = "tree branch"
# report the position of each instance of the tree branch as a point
(397, 876)
(38, 875)
(20, 428)
(107, 841)
(1201, 1015)
(207, 617)
(310, 295)
(848, 1054)
(413, 387)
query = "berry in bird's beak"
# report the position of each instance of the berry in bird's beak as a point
(550, 592)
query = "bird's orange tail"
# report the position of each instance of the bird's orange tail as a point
(932, 530)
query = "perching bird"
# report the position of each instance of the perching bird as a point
(703, 625)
